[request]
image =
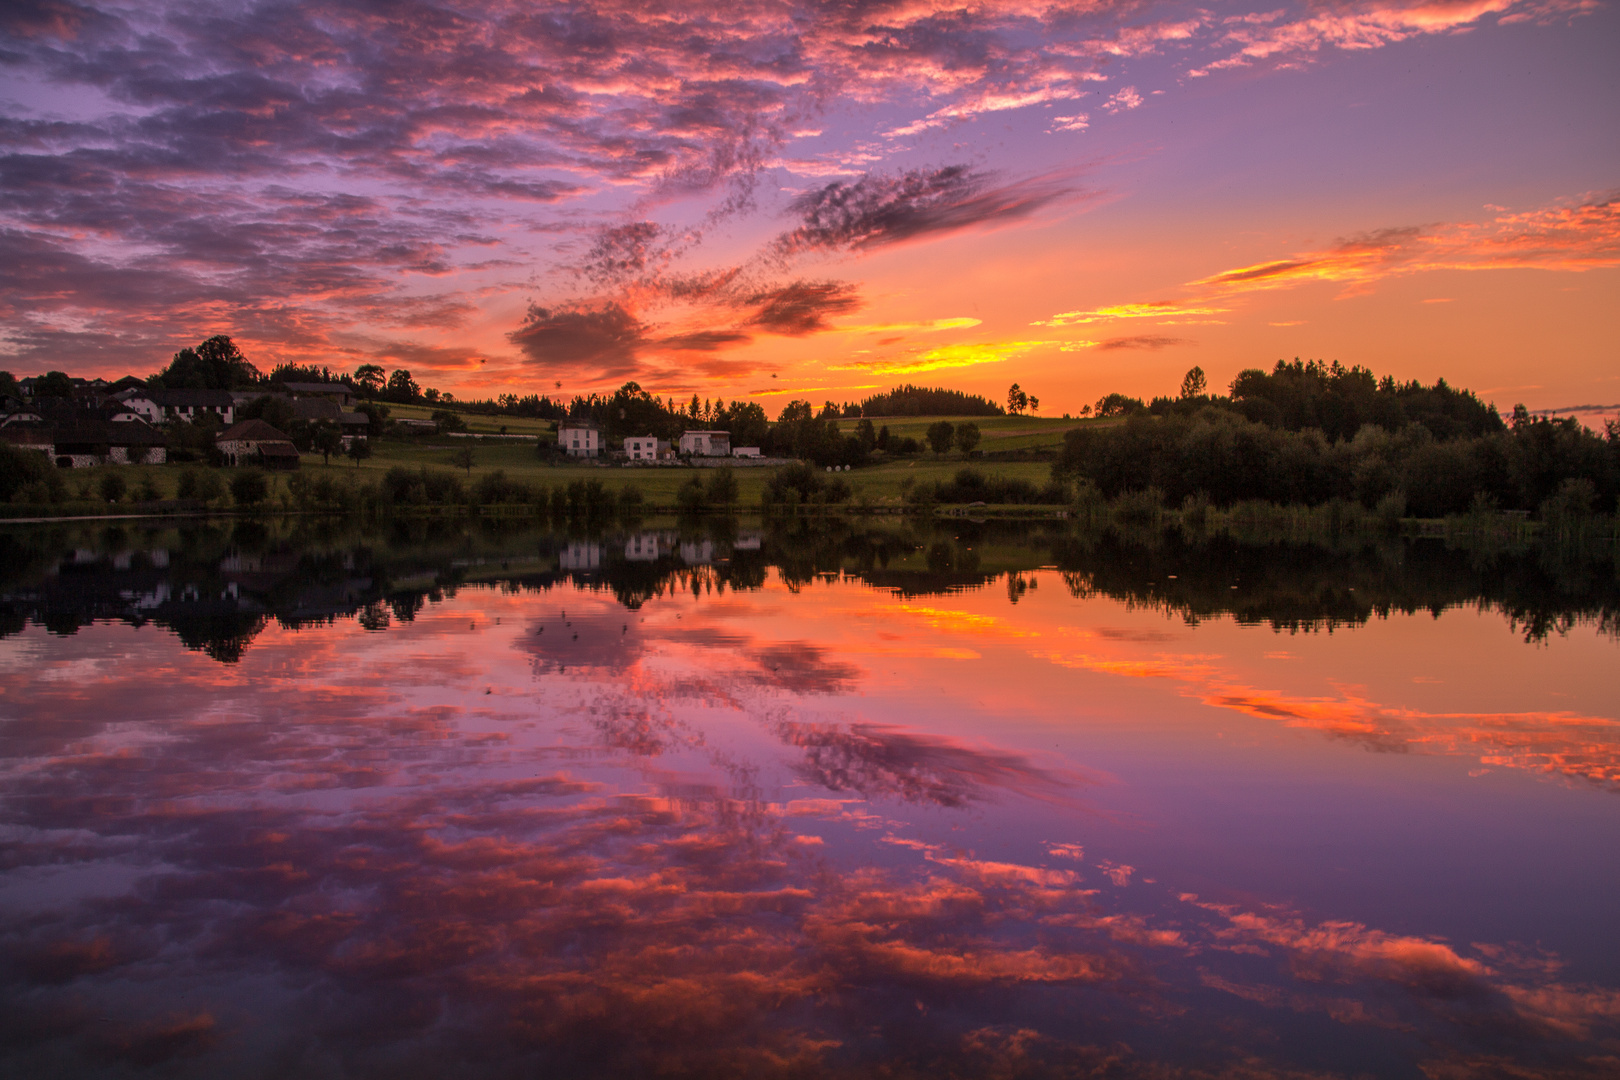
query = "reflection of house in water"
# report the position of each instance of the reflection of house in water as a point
(580, 555)
(646, 546)
(697, 552)
(651, 546)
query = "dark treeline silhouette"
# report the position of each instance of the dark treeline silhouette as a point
(911, 400)
(1335, 400)
(1332, 398)
(1309, 434)
(216, 585)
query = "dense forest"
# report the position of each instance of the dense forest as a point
(911, 400)
(1309, 433)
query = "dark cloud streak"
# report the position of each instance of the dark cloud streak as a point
(878, 211)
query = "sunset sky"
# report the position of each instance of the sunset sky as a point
(763, 199)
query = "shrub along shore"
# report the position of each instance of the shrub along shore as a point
(615, 498)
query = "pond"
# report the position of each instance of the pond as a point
(303, 798)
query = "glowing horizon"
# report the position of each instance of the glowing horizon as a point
(770, 200)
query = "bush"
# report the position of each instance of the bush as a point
(800, 483)
(970, 485)
(1195, 510)
(112, 486)
(249, 487)
(722, 490)
(587, 500)
(494, 489)
(689, 499)
(30, 469)
(401, 487)
(1390, 510)
(1568, 511)
(1139, 506)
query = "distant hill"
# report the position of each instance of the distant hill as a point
(911, 400)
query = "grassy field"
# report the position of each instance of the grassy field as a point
(882, 484)
(996, 433)
(879, 485)
(487, 425)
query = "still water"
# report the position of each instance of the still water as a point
(822, 800)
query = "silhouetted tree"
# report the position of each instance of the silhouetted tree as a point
(1017, 400)
(215, 364)
(369, 379)
(328, 440)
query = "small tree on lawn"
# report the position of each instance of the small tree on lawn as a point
(940, 435)
(722, 488)
(463, 458)
(359, 450)
(328, 440)
(967, 437)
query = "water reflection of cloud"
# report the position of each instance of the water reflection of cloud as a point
(382, 878)
(613, 642)
(880, 761)
(1577, 746)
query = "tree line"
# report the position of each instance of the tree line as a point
(1309, 433)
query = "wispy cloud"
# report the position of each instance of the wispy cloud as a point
(878, 211)
(1572, 236)
(943, 357)
(1575, 236)
(1157, 310)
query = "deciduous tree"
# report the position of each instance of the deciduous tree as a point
(967, 437)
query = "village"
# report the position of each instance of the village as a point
(128, 422)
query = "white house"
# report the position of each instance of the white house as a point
(579, 438)
(706, 443)
(641, 447)
(745, 451)
(158, 406)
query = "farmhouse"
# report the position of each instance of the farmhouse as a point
(706, 443)
(162, 406)
(254, 442)
(82, 442)
(641, 448)
(579, 438)
(338, 393)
